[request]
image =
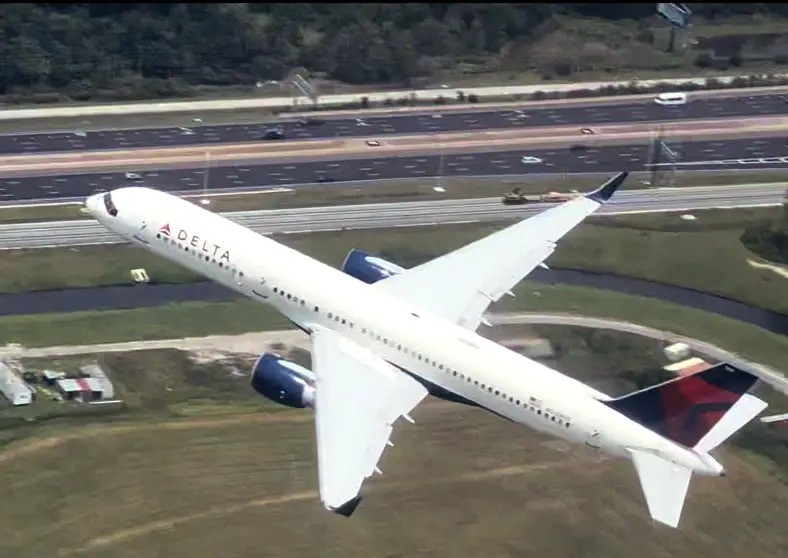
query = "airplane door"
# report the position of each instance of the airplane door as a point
(259, 290)
(594, 441)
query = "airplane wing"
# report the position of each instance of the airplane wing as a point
(358, 397)
(460, 285)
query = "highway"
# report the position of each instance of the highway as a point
(738, 154)
(371, 216)
(398, 124)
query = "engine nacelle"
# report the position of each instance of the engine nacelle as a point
(283, 381)
(368, 268)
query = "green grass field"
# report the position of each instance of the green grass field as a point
(196, 319)
(705, 254)
(157, 482)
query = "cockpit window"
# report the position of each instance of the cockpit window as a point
(109, 206)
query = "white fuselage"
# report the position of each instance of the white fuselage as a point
(440, 352)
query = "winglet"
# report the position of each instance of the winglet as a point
(347, 509)
(606, 191)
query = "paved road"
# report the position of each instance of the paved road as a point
(388, 125)
(370, 216)
(750, 153)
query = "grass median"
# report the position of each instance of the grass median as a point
(705, 254)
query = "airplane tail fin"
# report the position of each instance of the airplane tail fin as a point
(699, 411)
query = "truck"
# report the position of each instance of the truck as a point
(516, 197)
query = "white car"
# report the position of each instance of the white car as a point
(671, 99)
(132, 176)
(530, 160)
(373, 143)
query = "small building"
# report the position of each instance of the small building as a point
(52, 376)
(688, 366)
(80, 389)
(677, 351)
(96, 372)
(14, 388)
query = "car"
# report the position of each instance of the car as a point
(132, 176)
(530, 160)
(671, 99)
(324, 178)
(373, 143)
(577, 147)
(311, 121)
(587, 131)
(274, 134)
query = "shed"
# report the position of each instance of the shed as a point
(677, 351)
(95, 371)
(51, 376)
(13, 387)
(80, 389)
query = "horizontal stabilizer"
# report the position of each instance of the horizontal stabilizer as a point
(686, 409)
(664, 485)
(742, 412)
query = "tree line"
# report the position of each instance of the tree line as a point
(129, 49)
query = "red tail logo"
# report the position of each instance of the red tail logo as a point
(165, 229)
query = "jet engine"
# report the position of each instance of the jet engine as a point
(283, 382)
(368, 268)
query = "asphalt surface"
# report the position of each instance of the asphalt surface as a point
(373, 216)
(388, 125)
(739, 154)
(137, 296)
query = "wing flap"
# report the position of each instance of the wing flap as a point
(358, 399)
(460, 285)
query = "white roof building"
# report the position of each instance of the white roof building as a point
(95, 371)
(13, 387)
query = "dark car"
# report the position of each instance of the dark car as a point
(273, 134)
(578, 147)
(323, 178)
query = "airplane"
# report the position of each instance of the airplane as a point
(384, 337)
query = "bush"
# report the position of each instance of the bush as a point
(703, 60)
